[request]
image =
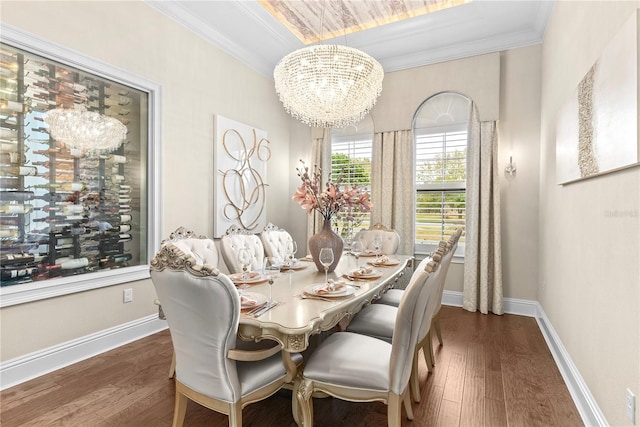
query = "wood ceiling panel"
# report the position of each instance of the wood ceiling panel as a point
(316, 20)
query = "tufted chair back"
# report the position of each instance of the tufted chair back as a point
(390, 239)
(200, 247)
(275, 241)
(236, 238)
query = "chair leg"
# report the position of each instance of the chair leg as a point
(305, 402)
(407, 406)
(436, 325)
(394, 410)
(172, 368)
(295, 402)
(414, 380)
(235, 415)
(180, 409)
(430, 344)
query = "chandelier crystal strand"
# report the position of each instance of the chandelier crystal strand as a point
(90, 132)
(328, 85)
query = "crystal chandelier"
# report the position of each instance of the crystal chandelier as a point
(328, 85)
(84, 130)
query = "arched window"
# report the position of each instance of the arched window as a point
(351, 150)
(440, 131)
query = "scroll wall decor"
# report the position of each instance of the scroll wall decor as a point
(597, 128)
(240, 161)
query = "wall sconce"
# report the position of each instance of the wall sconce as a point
(511, 167)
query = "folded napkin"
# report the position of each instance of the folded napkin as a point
(331, 287)
(247, 301)
(382, 260)
(369, 252)
(362, 271)
(307, 258)
(249, 276)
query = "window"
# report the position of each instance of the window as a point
(440, 132)
(351, 150)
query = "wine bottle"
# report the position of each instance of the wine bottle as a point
(15, 258)
(19, 196)
(71, 187)
(8, 134)
(9, 220)
(11, 146)
(9, 182)
(8, 208)
(124, 228)
(61, 164)
(9, 233)
(12, 157)
(8, 106)
(15, 170)
(10, 274)
(59, 176)
(68, 263)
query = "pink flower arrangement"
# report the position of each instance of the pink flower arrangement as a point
(331, 200)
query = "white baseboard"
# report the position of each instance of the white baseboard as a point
(25, 368)
(582, 397)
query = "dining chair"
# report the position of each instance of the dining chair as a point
(361, 368)
(379, 320)
(445, 252)
(275, 241)
(233, 240)
(202, 308)
(390, 238)
(204, 253)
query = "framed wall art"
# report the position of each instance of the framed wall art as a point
(597, 127)
(240, 161)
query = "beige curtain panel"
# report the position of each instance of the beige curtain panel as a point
(482, 258)
(392, 185)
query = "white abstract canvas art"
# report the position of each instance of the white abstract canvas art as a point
(240, 164)
(597, 128)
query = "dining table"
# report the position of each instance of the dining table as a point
(301, 313)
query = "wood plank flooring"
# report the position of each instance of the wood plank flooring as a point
(492, 371)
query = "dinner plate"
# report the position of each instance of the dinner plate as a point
(253, 278)
(296, 266)
(375, 274)
(343, 292)
(368, 253)
(390, 263)
(257, 300)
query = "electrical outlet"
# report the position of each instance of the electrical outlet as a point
(127, 295)
(630, 405)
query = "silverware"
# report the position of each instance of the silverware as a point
(265, 308)
(306, 296)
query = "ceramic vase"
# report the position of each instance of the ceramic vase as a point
(326, 238)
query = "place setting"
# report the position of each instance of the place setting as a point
(364, 273)
(384, 261)
(329, 291)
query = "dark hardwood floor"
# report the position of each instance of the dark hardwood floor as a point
(491, 371)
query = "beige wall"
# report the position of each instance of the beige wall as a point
(589, 259)
(197, 82)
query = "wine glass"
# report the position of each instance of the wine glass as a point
(326, 259)
(292, 248)
(271, 270)
(377, 244)
(356, 249)
(244, 258)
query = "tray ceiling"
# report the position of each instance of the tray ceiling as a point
(249, 32)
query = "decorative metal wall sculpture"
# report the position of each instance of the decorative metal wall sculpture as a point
(240, 163)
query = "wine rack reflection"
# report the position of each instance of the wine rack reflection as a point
(64, 212)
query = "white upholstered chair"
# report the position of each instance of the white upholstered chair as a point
(379, 320)
(204, 253)
(202, 307)
(390, 239)
(361, 368)
(275, 241)
(236, 238)
(446, 250)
